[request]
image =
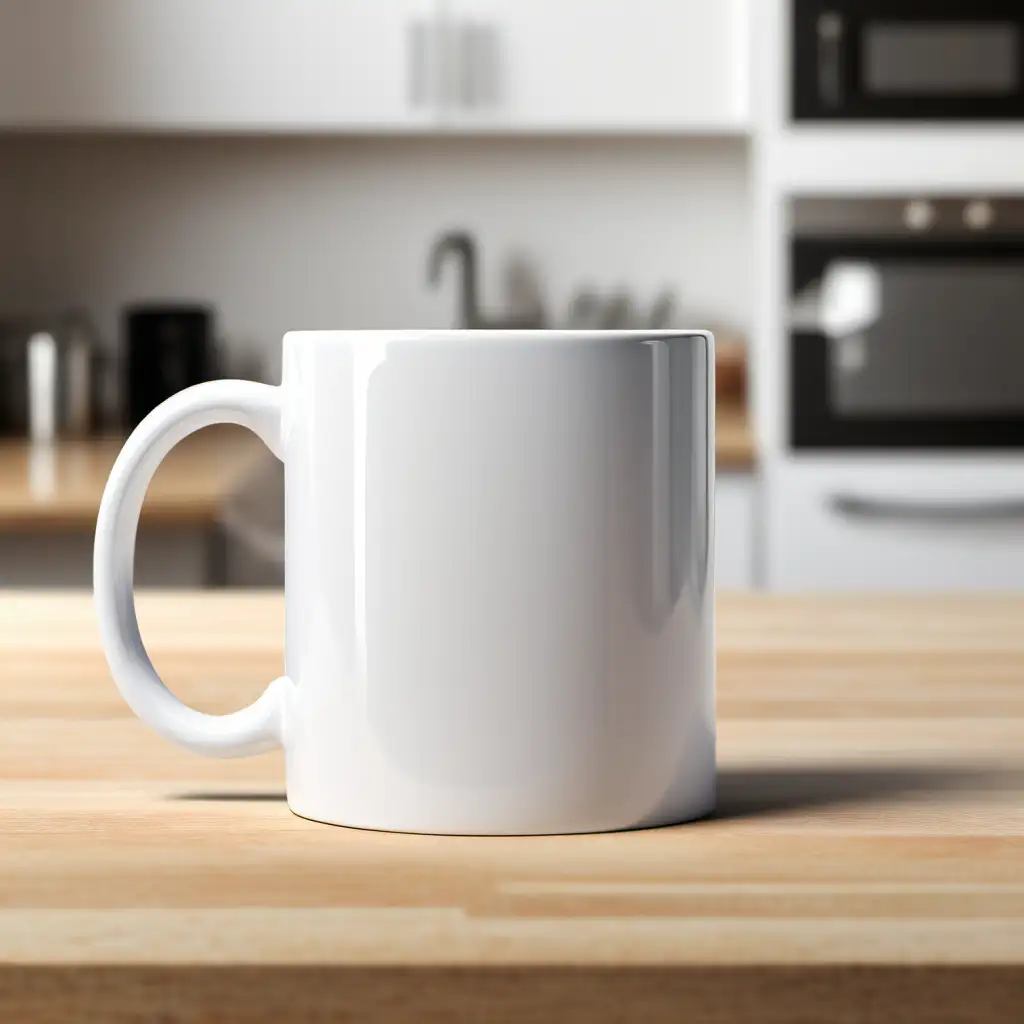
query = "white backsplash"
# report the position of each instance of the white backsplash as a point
(313, 233)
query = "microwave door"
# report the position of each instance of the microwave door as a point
(940, 59)
(908, 60)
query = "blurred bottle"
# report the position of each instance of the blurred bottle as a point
(49, 377)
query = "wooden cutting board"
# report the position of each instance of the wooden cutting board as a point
(866, 862)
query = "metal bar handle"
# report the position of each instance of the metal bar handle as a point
(417, 63)
(855, 506)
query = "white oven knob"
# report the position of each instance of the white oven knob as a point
(919, 215)
(979, 215)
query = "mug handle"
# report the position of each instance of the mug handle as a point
(254, 729)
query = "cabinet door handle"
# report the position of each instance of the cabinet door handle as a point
(855, 506)
(448, 62)
(468, 50)
(476, 53)
(418, 60)
(488, 64)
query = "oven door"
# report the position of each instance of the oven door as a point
(899, 344)
(908, 59)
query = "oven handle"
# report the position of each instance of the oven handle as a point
(855, 506)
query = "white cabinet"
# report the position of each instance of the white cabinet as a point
(735, 530)
(895, 524)
(212, 64)
(602, 65)
(373, 65)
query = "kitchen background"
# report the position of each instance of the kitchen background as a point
(182, 181)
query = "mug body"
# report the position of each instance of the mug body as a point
(499, 579)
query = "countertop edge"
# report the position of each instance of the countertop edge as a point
(511, 994)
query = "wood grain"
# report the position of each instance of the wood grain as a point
(866, 861)
(60, 488)
(730, 367)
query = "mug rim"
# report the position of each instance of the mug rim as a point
(549, 336)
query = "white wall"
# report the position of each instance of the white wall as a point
(307, 233)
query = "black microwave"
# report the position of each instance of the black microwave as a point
(956, 60)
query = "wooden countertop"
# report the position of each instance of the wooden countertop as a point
(59, 488)
(866, 861)
(735, 449)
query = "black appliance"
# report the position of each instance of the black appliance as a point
(908, 59)
(167, 348)
(906, 323)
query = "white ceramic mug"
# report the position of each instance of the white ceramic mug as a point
(499, 578)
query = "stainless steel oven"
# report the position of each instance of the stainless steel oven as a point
(906, 323)
(908, 59)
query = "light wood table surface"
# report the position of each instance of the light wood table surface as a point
(59, 487)
(866, 862)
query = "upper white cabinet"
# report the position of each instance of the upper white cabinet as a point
(213, 64)
(374, 65)
(601, 65)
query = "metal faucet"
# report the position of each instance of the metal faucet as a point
(462, 246)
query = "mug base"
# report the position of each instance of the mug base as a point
(700, 810)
